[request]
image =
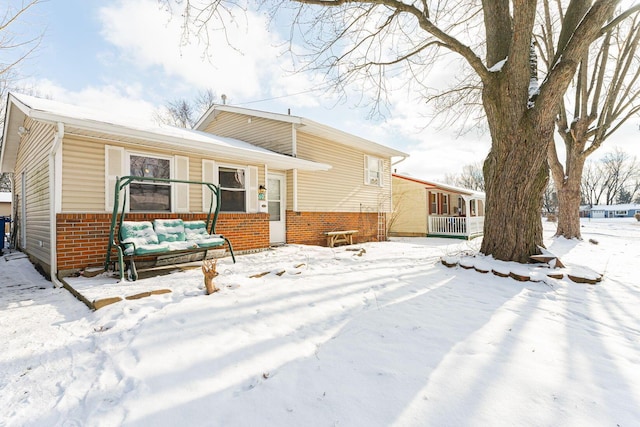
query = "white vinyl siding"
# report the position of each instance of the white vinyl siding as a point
(33, 200)
(342, 188)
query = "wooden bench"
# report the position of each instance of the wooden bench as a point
(344, 236)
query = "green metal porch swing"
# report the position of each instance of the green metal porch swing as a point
(141, 239)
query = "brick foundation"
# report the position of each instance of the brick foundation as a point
(82, 238)
(307, 228)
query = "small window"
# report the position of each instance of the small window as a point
(145, 196)
(434, 204)
(233, 193)
(373, 171)
(445, 203)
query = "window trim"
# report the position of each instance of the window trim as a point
(172, 208)
(245, 168)
(367, 171)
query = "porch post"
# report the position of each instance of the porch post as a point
(467, 214)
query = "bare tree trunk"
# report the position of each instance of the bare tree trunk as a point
(516, 175)
(568, 189)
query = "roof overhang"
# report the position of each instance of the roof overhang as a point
(182, 139)
(432, 185)
(306, 126)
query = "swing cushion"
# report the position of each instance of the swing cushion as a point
(169, 230)
(196, 231)
(140, 238)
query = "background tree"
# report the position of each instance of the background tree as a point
(619, 171)
(605, 93)
(471, 177)
(615, 178)
(14, 50)
(185, 113)
(375, 43)
(550, 198)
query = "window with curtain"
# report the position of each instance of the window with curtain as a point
(233, 191)
(150, 196)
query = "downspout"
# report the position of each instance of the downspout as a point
(54, 187)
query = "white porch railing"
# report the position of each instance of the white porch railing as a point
(456, 226)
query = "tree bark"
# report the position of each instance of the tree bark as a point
(516, 175)
(568, 187)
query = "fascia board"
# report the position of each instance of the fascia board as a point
(278, 160)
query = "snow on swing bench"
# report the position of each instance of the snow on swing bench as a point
(165, 237)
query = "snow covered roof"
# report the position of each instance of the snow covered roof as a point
(21, 106)
(447, 187)
(622, 207)
(307, 126)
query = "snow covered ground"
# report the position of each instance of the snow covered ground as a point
(343, 338)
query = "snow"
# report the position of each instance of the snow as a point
(497, 67)
(384, 336)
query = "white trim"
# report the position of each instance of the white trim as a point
(127, 171)
(55, 204)
(180, 191)
(23, 211)
(209, 174)
(294, 141)
(188, 139)
(245, 168)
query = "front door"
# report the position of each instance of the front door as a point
(276, 203)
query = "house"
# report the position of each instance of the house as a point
(284, 179)
(427, 208)
(609, 211)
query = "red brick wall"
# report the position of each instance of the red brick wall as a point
(82, 238)
(307, 228)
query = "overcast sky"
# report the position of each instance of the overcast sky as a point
(128, 56)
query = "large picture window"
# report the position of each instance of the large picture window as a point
(145, 196)
(233, 191)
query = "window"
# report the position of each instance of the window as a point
(150, 196)
(233, 193)
(373, 168)
(434, 203)
(445, 203)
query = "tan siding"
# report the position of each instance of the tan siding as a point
(270, 134)
(33, 160)
(5, 209)
(82, 175)
(342, 188)
(409, 208)
(83, 172)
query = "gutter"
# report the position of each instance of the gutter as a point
(53, 193)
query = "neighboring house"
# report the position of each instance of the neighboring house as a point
(609, 211)
(65, 160)
(427, 208)
(5, 209)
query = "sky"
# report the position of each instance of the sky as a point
(129, 56)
